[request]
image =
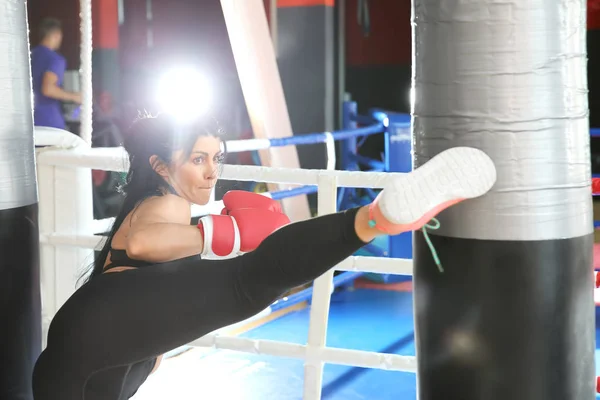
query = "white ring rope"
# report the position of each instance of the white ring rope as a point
(239, 146)
(86, 71)
(115, 159)
(56, 138)
(355, 358)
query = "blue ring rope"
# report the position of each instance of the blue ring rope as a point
(313, 138)
(282, 194)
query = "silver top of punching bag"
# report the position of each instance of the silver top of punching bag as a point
(509, 78)
(17, 155)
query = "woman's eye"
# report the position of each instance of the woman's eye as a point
(198, 160)
(220, 158)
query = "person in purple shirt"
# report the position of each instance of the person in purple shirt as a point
(47, 70)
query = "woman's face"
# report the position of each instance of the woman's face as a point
(194, 177)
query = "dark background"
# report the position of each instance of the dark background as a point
(377, 70)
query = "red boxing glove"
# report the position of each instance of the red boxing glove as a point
(255, 225)
(239, 199)
(221, 236)
(241, 227)
(595, 185)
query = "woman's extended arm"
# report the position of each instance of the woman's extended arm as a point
(160, 231)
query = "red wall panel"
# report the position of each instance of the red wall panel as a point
(305, 3)
(105, 22)
(389, 41)
(593, 15)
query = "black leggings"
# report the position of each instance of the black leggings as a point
(119, 319)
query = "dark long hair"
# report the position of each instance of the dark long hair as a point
(159, 136)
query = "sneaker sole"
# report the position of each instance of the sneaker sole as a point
(450, 177)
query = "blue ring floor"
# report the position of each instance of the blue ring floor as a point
(362, 319)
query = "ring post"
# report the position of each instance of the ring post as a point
(398, 158)
(347, 146)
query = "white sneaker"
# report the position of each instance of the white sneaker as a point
(410, 201)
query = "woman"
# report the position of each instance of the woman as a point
(151, 291)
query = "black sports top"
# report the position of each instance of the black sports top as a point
(119, 258)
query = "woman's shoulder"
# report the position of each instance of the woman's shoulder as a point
(168, 207)
(167, 200)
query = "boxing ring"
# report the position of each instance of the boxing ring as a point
(67, 226)
(68, 233)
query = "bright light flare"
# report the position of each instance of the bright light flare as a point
(184, 92)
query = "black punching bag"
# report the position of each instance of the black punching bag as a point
(20, 304)
(512, 314)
